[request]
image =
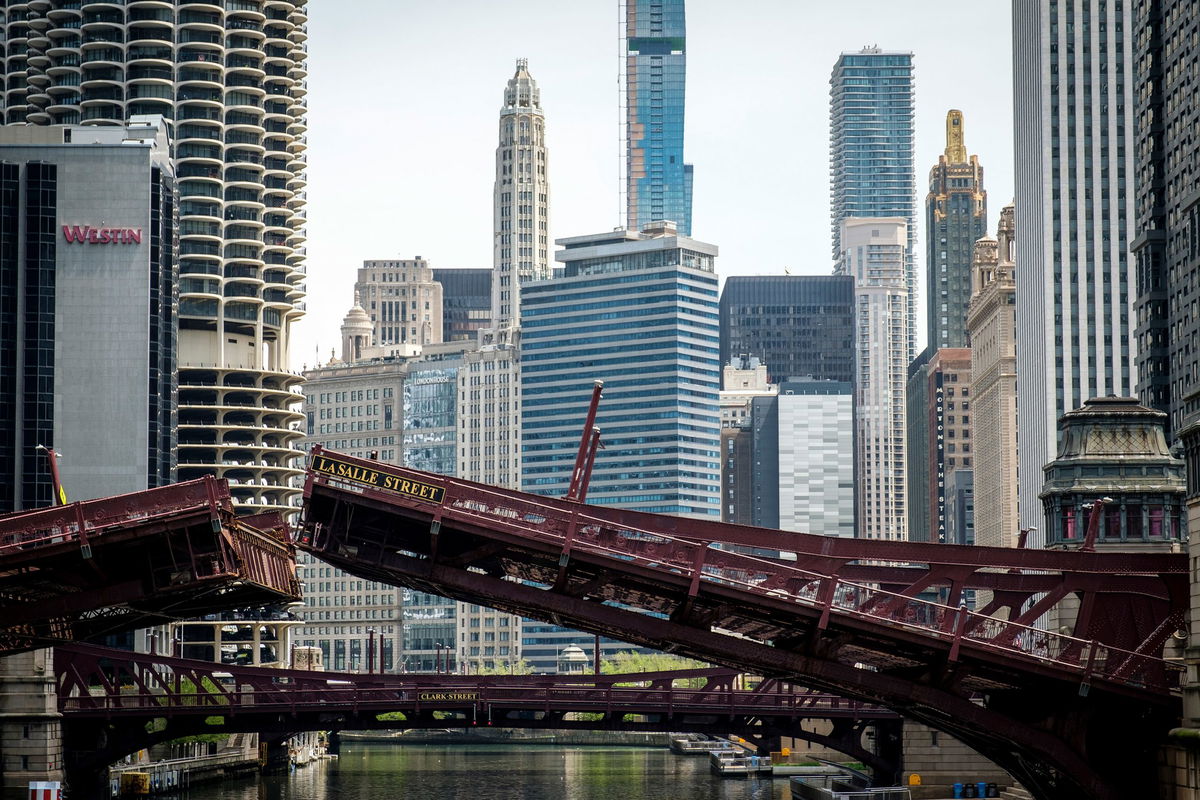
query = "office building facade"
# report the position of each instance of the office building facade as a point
(521, 207)
(403, 300)
(466, 302)
(955, 217)
(798, 325)
(637, 310)
(802, 441)
(658, 183)
(1073, 102)
(871, 160)
(874, 254)
(1165, 251)
(947, 447)
(992, 326)
(88, 304)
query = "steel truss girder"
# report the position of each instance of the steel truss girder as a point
(1028, 720)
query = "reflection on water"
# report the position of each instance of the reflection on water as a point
(483, 772)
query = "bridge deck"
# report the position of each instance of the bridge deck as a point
(101, 682)
(103, 566)
(848, 616)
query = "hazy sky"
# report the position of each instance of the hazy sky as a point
(404, 96)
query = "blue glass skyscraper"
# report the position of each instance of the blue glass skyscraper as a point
(659, 184)
(639, 312)
(871, 150)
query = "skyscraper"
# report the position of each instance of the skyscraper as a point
(1166, 252)
(231, 76)
(871, 151)
(992, 324)
(658, 183)
(874, 254)
(637, 310)
(87, 310)
(955, 217)
(521, 198)
(798, 325)
(1073, 101)
(466, 302)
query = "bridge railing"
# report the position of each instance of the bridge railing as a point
(342, 693)
(44, 527)
(574, 529)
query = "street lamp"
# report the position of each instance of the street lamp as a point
(371, 651)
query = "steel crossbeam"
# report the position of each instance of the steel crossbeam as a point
(854, 617)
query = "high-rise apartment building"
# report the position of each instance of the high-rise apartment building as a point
(955, 217)
(658, 183)
(1073, 101)
(797, 325)
(403, 301)
(1166, 252)
(871, 161)
(88, 298)
(637, 310)
(521, 207)
(992, 325)
(874, 253)
(231, 76)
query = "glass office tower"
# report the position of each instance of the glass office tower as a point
(659, 184)
(871, 150)
(639, 312)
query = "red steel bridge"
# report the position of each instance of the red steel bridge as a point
(115, 702)
(104, 566)
(1074, 713)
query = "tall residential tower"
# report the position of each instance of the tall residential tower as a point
(871, 152)
(874, 255)
(521, 198)
(232, 78)
(658, 183)
(1073, 102)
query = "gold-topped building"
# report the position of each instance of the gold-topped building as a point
(956, 217)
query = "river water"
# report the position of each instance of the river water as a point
(501, 772)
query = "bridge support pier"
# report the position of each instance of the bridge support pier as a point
(86, 781)
(30, 725)
(274, 754)
(334, 745)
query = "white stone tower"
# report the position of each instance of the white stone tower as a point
(522, 197)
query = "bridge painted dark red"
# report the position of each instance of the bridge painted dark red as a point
(1074, 714)
(116, 702)
(104, 566)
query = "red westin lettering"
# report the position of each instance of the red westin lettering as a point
(86, 234)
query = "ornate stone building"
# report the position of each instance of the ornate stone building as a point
(991, 324)
(1115, 450)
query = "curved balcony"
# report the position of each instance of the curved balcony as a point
(102, 55)
(194, 266)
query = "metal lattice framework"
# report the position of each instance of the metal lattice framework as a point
(847, 616)
(107, 697)
(104, 566)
